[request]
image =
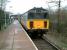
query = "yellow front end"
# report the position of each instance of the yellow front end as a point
(38, 24)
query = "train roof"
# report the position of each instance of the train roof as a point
(38, 10)
(44, 10)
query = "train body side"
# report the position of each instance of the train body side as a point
(24, 21)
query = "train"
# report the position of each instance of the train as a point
(36, 20)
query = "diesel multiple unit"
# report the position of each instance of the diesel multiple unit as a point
(36, 20)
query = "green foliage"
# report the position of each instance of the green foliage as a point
(60, 27)
(2, 18)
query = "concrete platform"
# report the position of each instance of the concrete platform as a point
(16, 38)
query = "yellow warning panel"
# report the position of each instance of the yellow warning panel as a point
(38, 24)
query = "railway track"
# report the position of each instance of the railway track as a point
(42, 44)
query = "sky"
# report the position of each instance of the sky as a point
(21, 6)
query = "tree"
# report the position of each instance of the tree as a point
(2, 12)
